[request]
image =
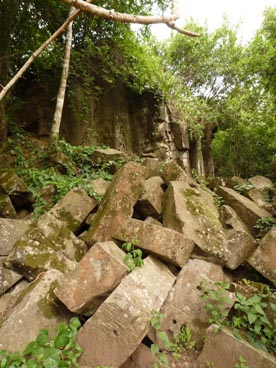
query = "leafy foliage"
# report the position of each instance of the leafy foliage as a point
(33, 163)
(248, 317)
(59, 350)
(133, 257)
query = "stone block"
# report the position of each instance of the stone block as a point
(261, 182)
(119, 325)
(223, 349)
(150, 201)
(191, 211)
(9, 299)
(45, 246)
(141, 358)
(264, 257)
(95, 277)
(117, 204)
(73, 208)
(37, 308)
(184, 305)
(173, 172)
(240, 242)
(11, 230)
(8, 278)
(248, 211)
(166, 244)
(6, 207)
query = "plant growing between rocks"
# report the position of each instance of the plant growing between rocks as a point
(248, 317)
(58, 350)
(133, 257)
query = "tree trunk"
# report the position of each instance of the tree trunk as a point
(8, 11)
(63, 81)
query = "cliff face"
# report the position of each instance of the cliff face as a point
(119, 118)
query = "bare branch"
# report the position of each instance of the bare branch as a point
(120, 17)
(183, 31)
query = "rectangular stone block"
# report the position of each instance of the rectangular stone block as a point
(95, 277)
(38, 308)
(117, 204)
(166, 244)
(223, 349)
(114, 332)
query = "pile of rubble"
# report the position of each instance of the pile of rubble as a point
(70, 262)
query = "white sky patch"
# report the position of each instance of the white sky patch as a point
(247, 13)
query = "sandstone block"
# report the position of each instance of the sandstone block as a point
(8, 300)
(45, 246)
(117, 204)
(173, 172)
(264, 257)
(11, 230)
(38, 308)
(6, 207)
(239, 242)
(103, 155)
(150, 202)
(95, 277)
(191, 211)
(7, 278)
(117, 328)
(165, 243)
(223, 349)
(73, 208)
(141, 358)
(184, 305)
(261, 182)
(248, 211)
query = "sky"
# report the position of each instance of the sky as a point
(246, 12)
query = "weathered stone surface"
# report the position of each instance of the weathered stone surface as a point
(181, 135)
(122, 321)
(165, 243)
(7, 278)
(45, 246)
(150, 202)
(38, 308)
(8, 300)
(117, 204)
(248, 211)
(11, 184)
(222, 349)
(95, 277)
(99, 186)
(102, 155)
(73, 208)
(153, 166)
(261, 198)
(141, 358)
(11, 230)
(173, 172)
(184, 305)
(6, 207)
(264, 258)
(191, 211)
(239, 242)
(261, 182)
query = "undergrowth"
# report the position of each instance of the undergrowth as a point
(251, 317)
(35, 165)
(57, 351)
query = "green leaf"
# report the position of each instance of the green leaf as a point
(163, 359)
(61, 341)
(154, 348)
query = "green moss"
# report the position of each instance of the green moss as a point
(47, 305)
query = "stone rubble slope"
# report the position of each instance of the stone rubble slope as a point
(74, 262)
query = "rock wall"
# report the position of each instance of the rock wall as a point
(118, 118)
